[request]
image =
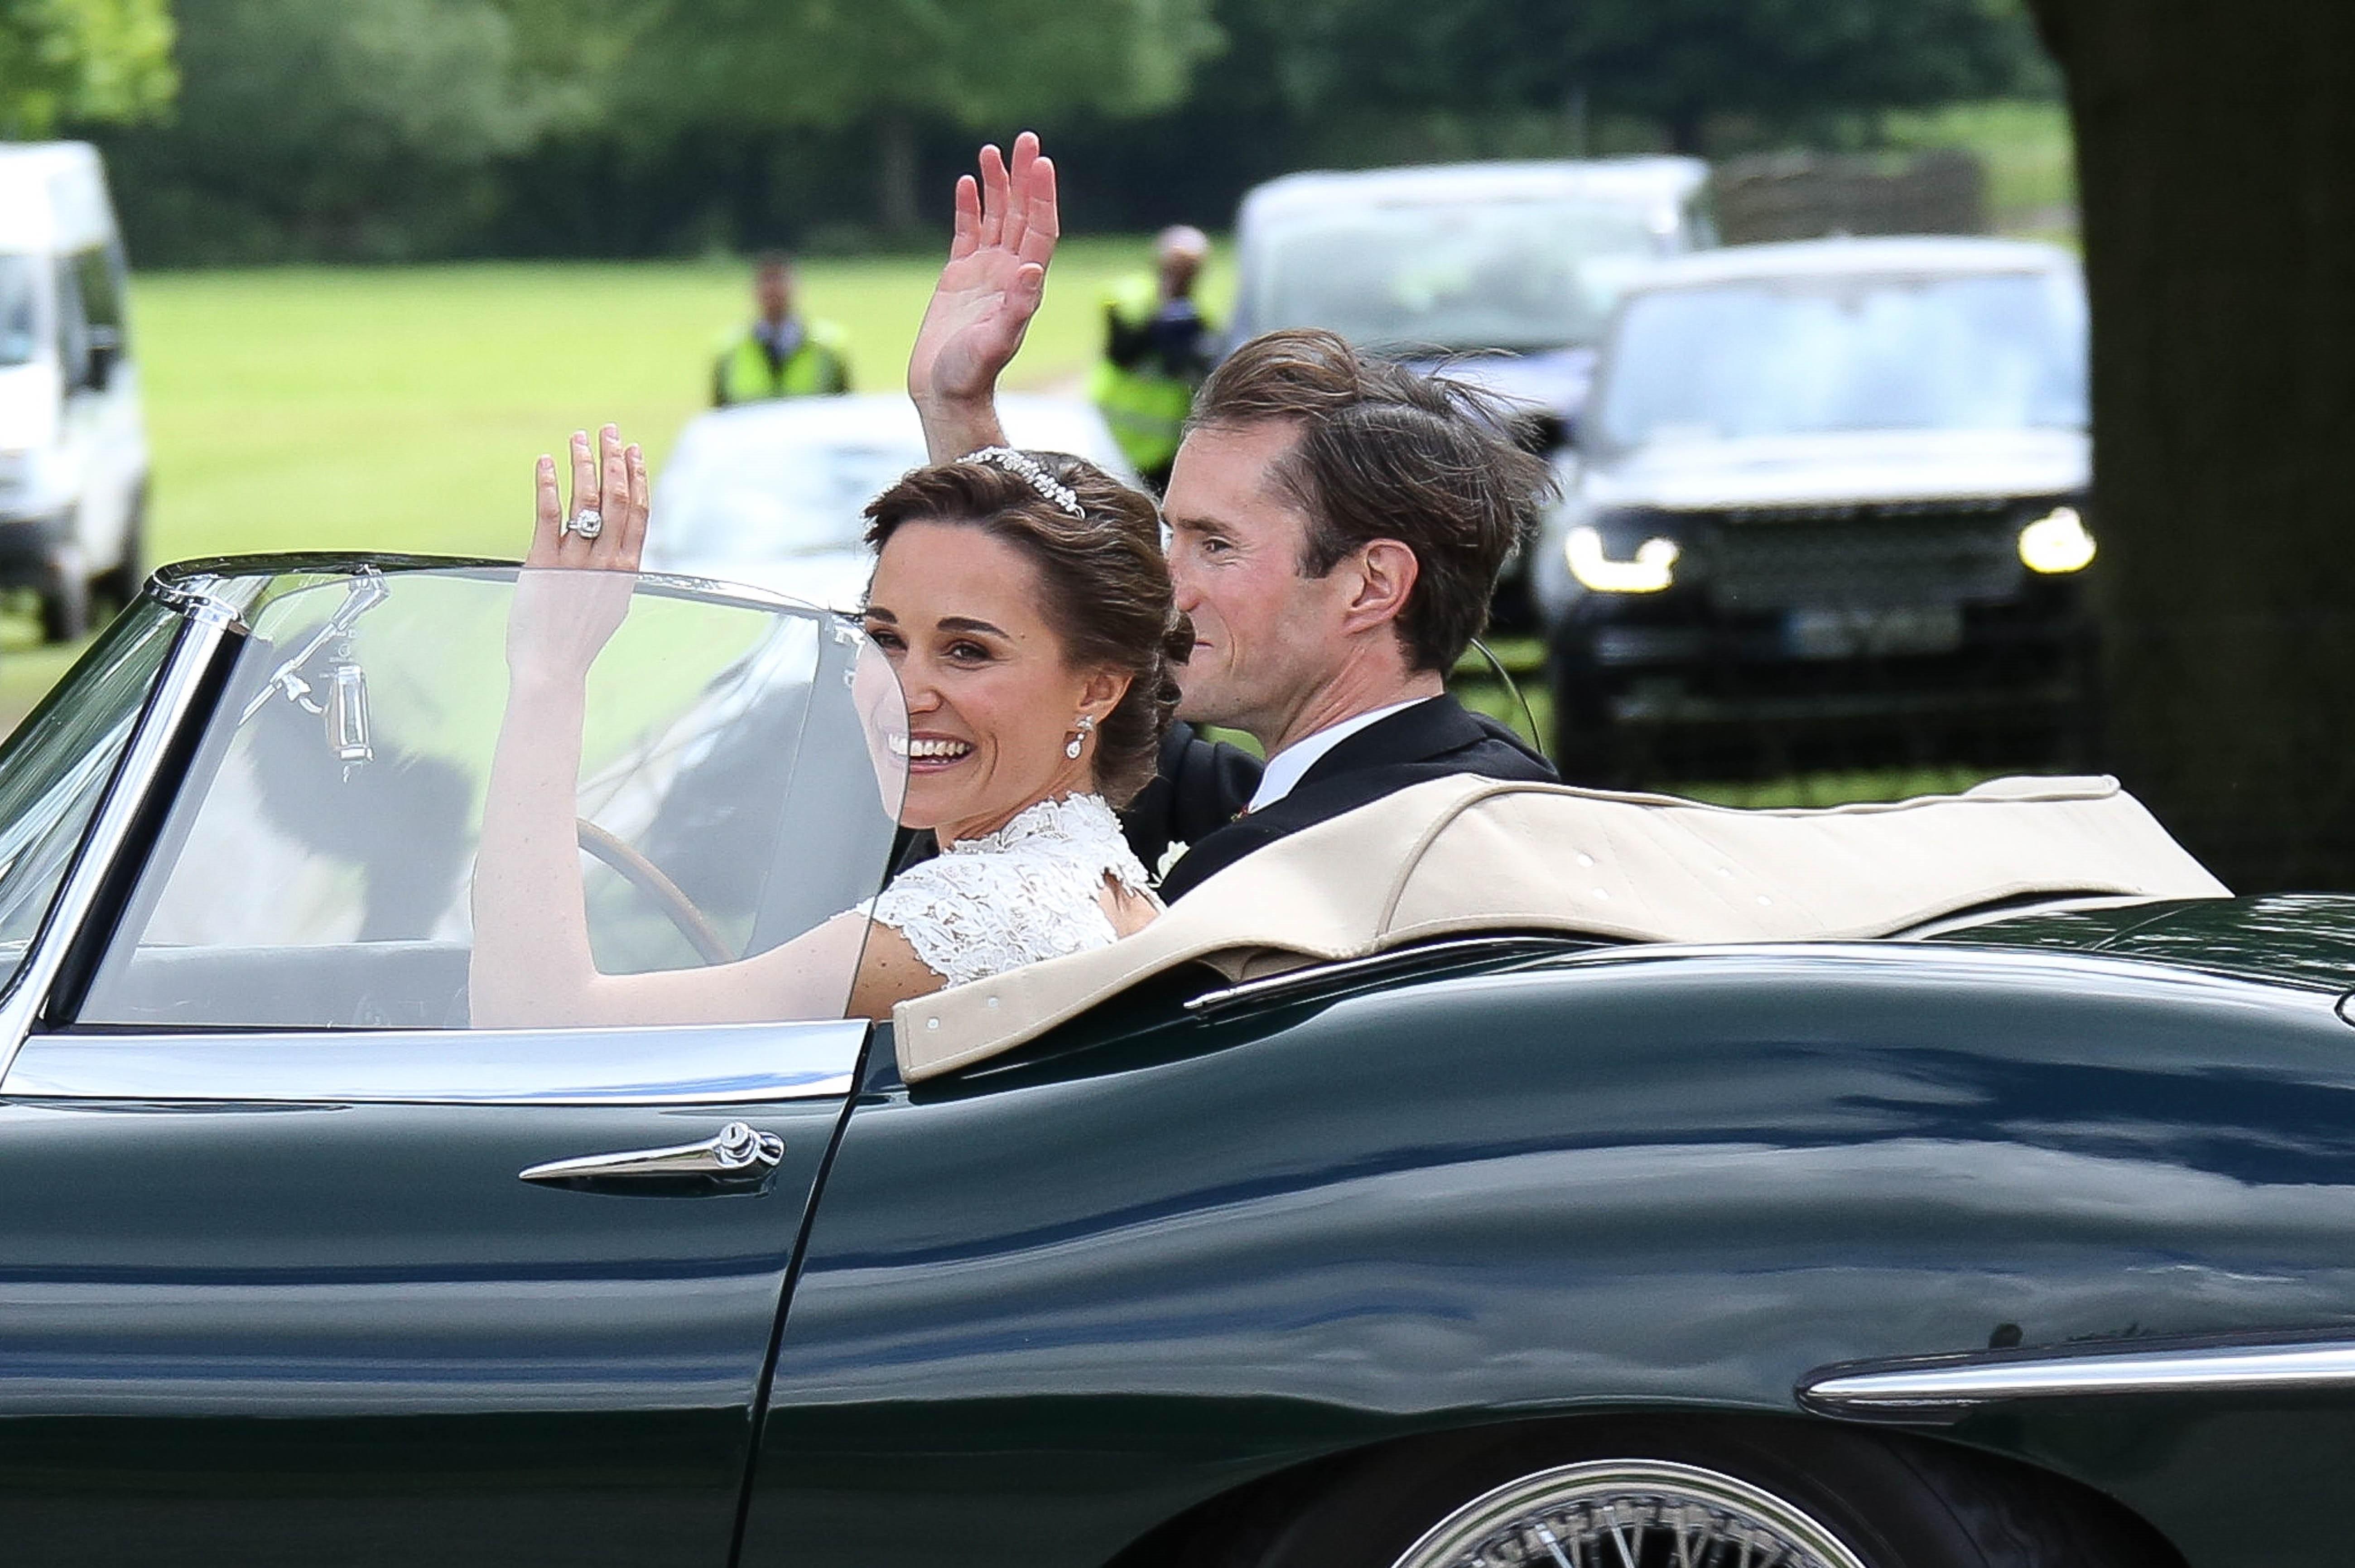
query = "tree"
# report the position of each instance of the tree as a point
(87, 60)
(889, 64)
(352, 130)
(2220, 243)
(1679, 62)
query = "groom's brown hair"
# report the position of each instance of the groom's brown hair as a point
(1386, 452)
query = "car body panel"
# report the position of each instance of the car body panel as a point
(280, 1331)
(2289, 939)
(1045, 1306)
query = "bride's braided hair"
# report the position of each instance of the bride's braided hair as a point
(1107, 585)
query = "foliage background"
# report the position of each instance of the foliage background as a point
(410, 130)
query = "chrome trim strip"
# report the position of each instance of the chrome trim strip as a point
(1954, 1386)
(176, 691)
(1313, 973)
(688, 1065)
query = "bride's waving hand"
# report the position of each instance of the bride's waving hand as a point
(531, 963)
(1023, 603)
(1006, 226)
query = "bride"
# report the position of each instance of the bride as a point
(1022, 601)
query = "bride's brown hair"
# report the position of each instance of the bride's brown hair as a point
(1107, 585)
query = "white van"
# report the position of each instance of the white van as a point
(73, 447)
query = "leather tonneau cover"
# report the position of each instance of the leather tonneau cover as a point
(1471, 853)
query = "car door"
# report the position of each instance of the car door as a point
(294, 1266)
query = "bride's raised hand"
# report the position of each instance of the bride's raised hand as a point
(562, 617)
(1007, 224)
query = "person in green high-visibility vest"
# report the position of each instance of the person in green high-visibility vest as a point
(782, 354)
(1158, 350)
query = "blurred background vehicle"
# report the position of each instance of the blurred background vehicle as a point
(772, 494)
(1826, 495)
(1512, 266)
(73, 447)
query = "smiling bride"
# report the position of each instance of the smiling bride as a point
(1022, 601)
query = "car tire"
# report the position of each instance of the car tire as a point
(1834, 1497)
(119, 585)
(65, 598)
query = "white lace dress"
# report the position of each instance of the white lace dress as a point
(1025, 892)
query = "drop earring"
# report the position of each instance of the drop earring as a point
(1086, 726)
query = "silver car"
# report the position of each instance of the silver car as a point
(771, 493)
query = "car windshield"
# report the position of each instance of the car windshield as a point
(735, 789)
(772, 500)
(1454, 276)
(19, 340)
(2001, 351)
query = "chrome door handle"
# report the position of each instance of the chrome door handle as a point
(736, 1157)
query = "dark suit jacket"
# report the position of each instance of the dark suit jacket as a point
(1431, 739)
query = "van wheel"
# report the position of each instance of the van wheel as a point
(1647, 1495)
(65, 598)
(118, 586)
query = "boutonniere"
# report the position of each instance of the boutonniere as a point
(1169, 858)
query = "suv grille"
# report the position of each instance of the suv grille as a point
(1920, 557)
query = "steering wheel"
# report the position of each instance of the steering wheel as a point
(648, 879)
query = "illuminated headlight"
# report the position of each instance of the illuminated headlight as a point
(1651, 568)
(2056, 543)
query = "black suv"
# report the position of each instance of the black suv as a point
(1827, 504)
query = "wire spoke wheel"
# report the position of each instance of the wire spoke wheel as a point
(1629, 1513)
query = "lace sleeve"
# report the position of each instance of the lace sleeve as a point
(972, 916)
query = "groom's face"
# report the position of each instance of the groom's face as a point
(1267, 638)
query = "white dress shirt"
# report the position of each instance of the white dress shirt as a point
(1285, 768)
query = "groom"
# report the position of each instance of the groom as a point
(1336, 524)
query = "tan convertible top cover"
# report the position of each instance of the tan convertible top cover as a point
(1473, 854)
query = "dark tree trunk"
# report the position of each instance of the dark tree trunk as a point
(1684, 127)
(2213, 151)
(895, 160)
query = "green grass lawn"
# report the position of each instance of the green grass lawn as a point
(400, 409)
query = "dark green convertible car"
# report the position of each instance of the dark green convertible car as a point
(1523, 1177)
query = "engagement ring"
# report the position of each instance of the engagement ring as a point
(588, 522)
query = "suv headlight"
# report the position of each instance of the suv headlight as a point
(1649, 569)
(2056, 543)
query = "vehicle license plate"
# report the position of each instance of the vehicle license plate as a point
(1836, 634)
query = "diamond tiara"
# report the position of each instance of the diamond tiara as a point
(1025, 467)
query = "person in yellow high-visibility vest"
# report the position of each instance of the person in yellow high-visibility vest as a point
(1158, 350)
(782, 354)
